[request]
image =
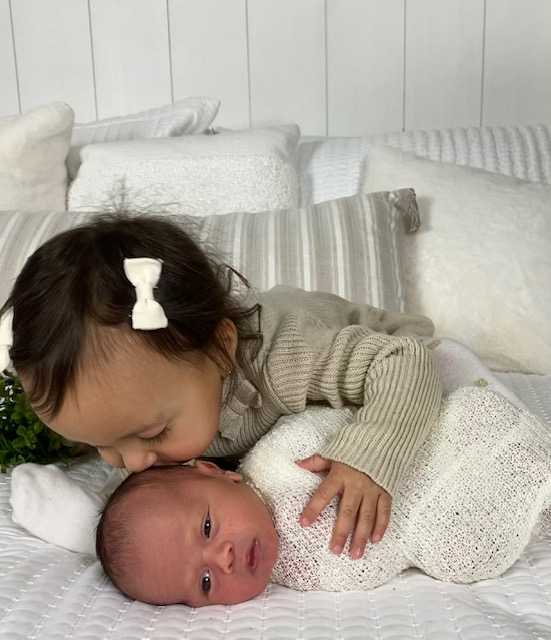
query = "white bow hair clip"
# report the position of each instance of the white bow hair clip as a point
(144, 274)
(6, 340)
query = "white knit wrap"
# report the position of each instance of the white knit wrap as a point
(468, 505)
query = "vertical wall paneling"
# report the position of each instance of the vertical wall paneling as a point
(287, 63)
(444, 52)
(365, 66)
(131, 55)
(208, 43)
(9, 98)
(53, 53)
(337, 67)
(517, 73)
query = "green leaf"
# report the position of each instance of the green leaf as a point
(23, 437)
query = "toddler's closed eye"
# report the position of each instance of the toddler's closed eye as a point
(158, 438)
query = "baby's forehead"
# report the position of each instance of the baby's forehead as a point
(177, 482)
(158, 499)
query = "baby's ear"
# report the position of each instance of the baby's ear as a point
(210, 469)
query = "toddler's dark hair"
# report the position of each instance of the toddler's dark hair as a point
(116, 526)
(75, 284)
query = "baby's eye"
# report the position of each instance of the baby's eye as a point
(205, 581)
(206, 527)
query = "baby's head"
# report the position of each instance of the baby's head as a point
(193, 535)
(141, 397)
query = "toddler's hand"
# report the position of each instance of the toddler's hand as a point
(364, 505)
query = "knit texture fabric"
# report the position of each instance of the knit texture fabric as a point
(476, 491)
(320, 348)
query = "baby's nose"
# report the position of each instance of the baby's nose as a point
(224, 556)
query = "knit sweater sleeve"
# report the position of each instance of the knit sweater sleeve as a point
(318, 357)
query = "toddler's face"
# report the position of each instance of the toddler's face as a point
(143, 410)
(207, 538)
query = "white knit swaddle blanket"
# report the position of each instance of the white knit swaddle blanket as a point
(468, 505)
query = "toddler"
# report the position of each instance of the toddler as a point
(128, 336)
(478, 489)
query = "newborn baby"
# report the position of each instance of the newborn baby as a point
(477, 491)
(197, 535)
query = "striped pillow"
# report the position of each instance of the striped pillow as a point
(350, 246)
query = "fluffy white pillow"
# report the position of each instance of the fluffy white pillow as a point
(480, 267)
(33, 149)
(249, 170)
(192, 115)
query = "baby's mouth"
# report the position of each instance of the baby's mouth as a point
(253, 556)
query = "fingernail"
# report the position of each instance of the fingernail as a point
(304, 522)
(377, 537)
(336, 548)
(356, 553)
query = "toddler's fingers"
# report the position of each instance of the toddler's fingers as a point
(325, 492)
(314, 463)
(346, 519)
(384, 506)
(364, 526)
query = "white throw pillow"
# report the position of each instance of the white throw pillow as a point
(249, 170)
(33, 149)
(192, 115)
(480, 267)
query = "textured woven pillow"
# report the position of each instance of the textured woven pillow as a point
(350, 247)
(192, 115)
(249, 170)
(33, 149)
(481, 266)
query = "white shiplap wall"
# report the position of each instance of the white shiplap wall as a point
(336, 67)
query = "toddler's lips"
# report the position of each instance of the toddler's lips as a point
(253, 556)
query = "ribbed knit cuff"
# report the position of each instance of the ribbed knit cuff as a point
(387, 432)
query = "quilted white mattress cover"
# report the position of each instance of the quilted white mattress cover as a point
(49, 593)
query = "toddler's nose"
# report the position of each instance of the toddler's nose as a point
(133, 459)
(136, 461)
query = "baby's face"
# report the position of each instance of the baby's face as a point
(207, 539)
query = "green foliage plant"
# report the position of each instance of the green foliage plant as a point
(23, 437)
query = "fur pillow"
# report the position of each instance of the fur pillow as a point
(33, 149)
(480, 267)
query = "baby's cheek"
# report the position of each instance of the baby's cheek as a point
(240, 590)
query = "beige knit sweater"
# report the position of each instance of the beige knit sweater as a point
(319, 348)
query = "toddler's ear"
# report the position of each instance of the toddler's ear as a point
(227, 332)
(210, 469)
